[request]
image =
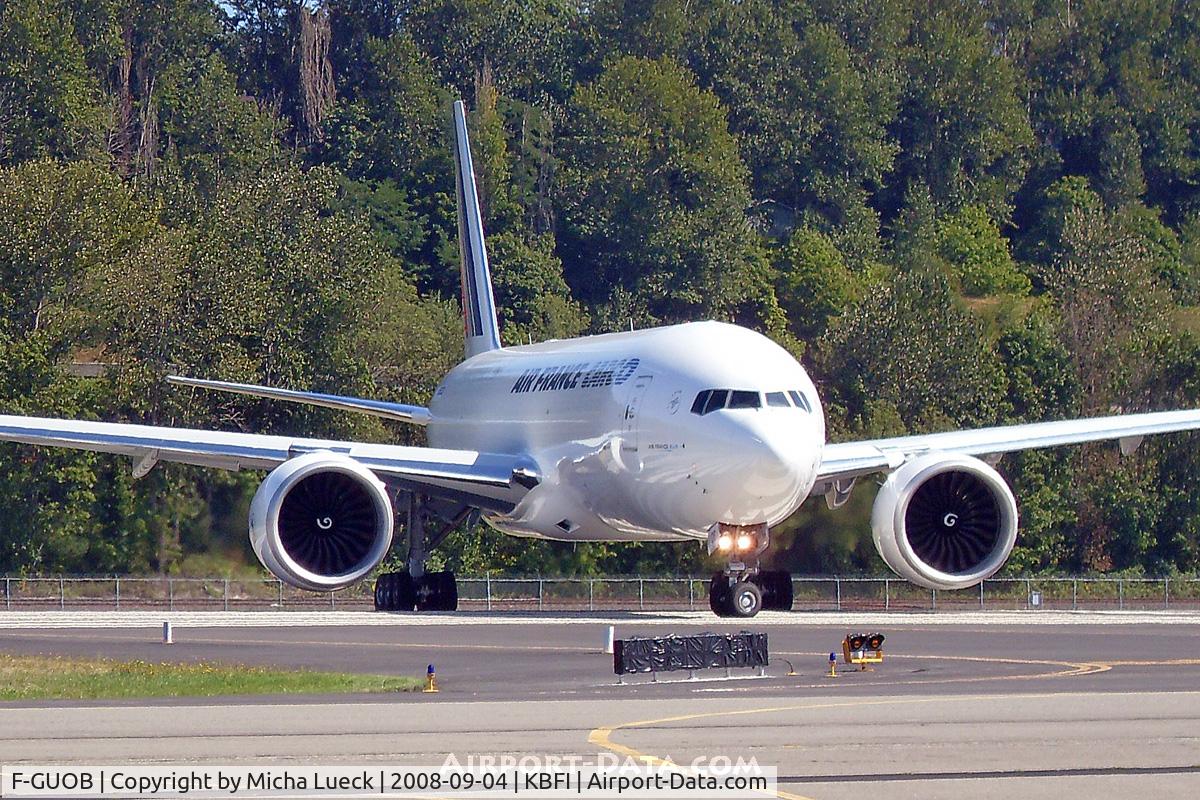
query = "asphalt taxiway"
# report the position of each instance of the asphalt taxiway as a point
(982, 705)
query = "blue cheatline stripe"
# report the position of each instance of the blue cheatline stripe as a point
(471, 310)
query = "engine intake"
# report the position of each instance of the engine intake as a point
(945, 521)
(321, 521)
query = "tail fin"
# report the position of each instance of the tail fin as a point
(478, 304)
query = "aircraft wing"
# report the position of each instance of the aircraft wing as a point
(417, 415)
(486, 480)
(853, 459)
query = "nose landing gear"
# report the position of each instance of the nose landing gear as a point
(744, 594)
(742, 589)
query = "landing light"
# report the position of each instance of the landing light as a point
(863, 649)
(725, 543)
(745, 542)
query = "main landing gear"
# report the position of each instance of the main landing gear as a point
(414, 588)
(742, 589)
(400, 591)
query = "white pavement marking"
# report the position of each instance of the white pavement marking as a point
(274, 619)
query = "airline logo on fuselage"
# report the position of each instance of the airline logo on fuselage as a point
(584, 375)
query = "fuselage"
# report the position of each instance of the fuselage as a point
(654, 434)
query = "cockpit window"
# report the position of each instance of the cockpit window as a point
(711, 400)
(777, 399)
(716, 400)
(800, 400)
(742, 399)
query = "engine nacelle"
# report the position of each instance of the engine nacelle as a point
(321, 521)
(945, 521)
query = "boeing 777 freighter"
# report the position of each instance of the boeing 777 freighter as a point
(703, 431)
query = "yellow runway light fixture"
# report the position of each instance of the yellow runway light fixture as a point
(863, 649)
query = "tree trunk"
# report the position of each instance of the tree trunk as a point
(317, 90)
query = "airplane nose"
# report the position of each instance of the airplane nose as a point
(778, 459)
(763, 468)
(773, 464)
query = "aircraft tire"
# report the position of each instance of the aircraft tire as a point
(718, 595)
(380, 593)
(745, 599)
(437, 591)
(394, 592)
(776, 586)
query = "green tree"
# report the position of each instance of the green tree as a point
(937, 369)
(972, 245)
(1112, 95)
(810, 108)
(388, 134)
(812, 282)
(962, 126)
(1042, 386)
(1111, 304)
(61, 510)
(533, 299)
(655, 197)
(50, 101)
(527, 45)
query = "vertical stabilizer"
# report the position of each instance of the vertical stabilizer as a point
(478, 304)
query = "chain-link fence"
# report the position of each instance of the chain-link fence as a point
(832, 593)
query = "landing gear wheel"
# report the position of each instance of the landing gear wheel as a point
(394, 592)
(437, 591)
(718, 595)
(745, 599)
(776, 586)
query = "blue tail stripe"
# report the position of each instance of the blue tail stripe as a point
(479, 311)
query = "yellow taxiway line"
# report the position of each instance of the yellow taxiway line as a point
(602, 736)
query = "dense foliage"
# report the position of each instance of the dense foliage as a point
(956, 213)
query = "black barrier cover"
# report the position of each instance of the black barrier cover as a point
(702, 651)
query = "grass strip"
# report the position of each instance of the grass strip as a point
(56, 678)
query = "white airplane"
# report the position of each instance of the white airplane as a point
(703, 431)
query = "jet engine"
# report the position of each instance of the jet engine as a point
(945, 521)
(321, 521)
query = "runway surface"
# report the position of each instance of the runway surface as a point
(982, 705)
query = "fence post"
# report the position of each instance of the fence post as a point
(487, 582)
(933, 599)
(691, 595)
(1121, 594)
(887, 594)
(541, 593)
(62, 594)
(331, 602)
(1074, 594)
(837, 582)
(8, 593)
(225, 593)
(981, 594)
(279, 591)
(1166, 592)
(641, 594)
(1028, 592)
(171, 593)
(591, 594)
(118, 577)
